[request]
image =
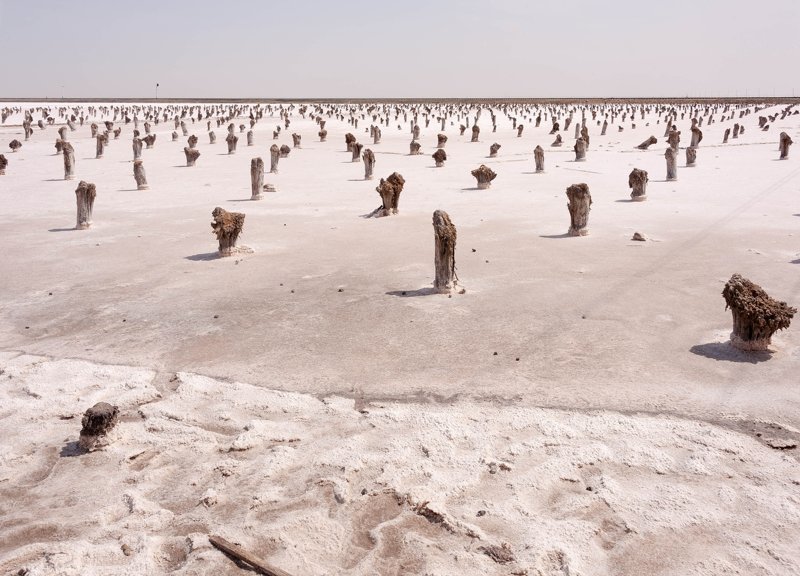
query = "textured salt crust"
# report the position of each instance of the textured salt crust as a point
(320, 487)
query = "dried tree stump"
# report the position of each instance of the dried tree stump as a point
(440, 156)
(369, 163)
(493, 149)
(96, 424)
(580, 202)
(580, 150)
(647, 143)
(192, 155)
(85, 194)
(671, 155)
(637, 182)
(68, 153)
(444, 261)
(756, 316)
(484, 175)
(389, 191)
(785, 142)
(691, 156)
(256, 178)
(227, 226)
(139, 175)
(538, 158)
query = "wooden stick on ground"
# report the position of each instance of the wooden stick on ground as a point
(236, 551)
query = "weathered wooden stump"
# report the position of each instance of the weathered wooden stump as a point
(580, 150)
(439, 157)
(212, 138)
(296, 140)
(538, 158)
(192, 154)
(323, 135)
(139, 175)
(85, 194)
(637, 182)
(256, 178)
(444, 260)
(232, 139)
(785, 142)
(192, 141)
(174, 136)
(493, 150)
(520, 128)
(672, 163)
(697, 136)
(579, 204)
(476, 131)
(736, 129)
(137, 147)
(349, 140)
(3, 165)
(691, 156)
(69, 160)
(756, 316)
(674, 139)
(59, 146)
(389, 191)
(369, 163)
(484, 175)
(227, 226)
(15, 145)
(647, 143)
(414, 148)
(274, 156)
(284, 150)
(557, 142)
(96, 424)
(441, 140)
(725, 137)
(250, 140)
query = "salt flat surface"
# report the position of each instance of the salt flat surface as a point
(293, 379)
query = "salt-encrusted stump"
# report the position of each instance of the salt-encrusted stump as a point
(355, 150)
(519, 130)
(59, 146)
(147, 127)
(462, 129)
(192, 141)
(137, 147)
(376, 135)
(275, 134)
(414, 148)
(736, 129)
(580, 150)
(441, 140)
(69, 161)
(756, 316)
(349, 140)
(557, 142)
(184, 129)
(212, 138)
(85, 194)
(192, 154)
(256, 178)
(637, 182)
(323, 135)
(15, 145)
(674, 139)
(415, 132)
(369, 163)
(556, 127)
(691, 156)
(389, 191)
(296, 140)
(250, 140)
(93, 128)
(785, 142)
(484, 175)
(493, 150)
(476, 131)
(3, 165)
(174, 136)
(580, 202)
(139, 175)
(672, 163)
(274, 157)
(444, 259)
(605, 127)
(697, 136)
(62, 133)
(232, 139)
(647, 143)
(96, 424)
(538, 158)
(439, 157)
(725, 137)
(585, 134)
(227, 226)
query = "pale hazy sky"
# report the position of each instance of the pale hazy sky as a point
(413, 48)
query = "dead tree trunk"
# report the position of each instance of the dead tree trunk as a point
(356, 148)
(192, 141)
(69, 161)
(101, 142)
(231, 139)
(697, 136)
(735, 131)
(519, 130)
(441, 140)
(349, 140)
(605, 127)
(137, 147)
(647, 143)
(296, 140)
(274, 157)
(323, 135)
(580, 150)
(250, 141)
(672, 163)
(444, 260)
(227, 226)
(484, 175)
(691, 156)
(192, 155)
(3, 165)
(212, 138)
(369, 163)
(557, 142)
(725, 137)
(174, 136)
(85, 194)
(256, 178)
(580, 202)
(96, 424)
(476, 131)
(674, 139)
(439, 157)
(785, 142)
(139, 175)
(414, 148)
(637, 182)
(389, 191)
(493, 150)
(538, 158)
(756, 316)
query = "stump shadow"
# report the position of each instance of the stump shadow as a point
(413, 293)
(564, 235)
(204, 257)
(723, 351)
(71, 449)
(797, 261)
(55, 180)
(472, 188)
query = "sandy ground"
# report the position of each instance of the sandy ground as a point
(315, 403)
